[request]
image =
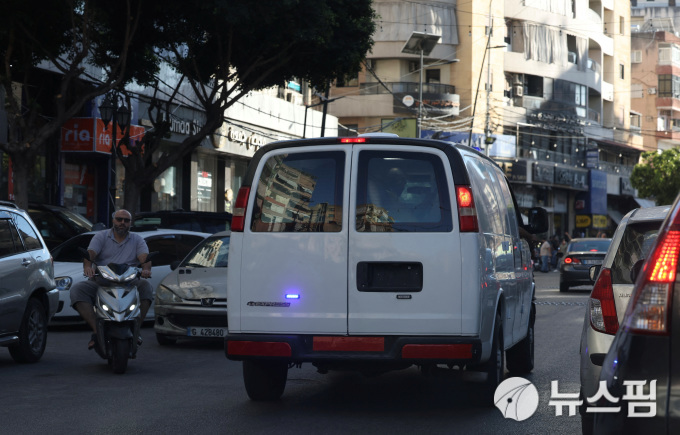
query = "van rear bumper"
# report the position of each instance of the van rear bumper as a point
(325, 348)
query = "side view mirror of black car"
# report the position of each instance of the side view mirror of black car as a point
(635, 270)
(538, 220)
(594, 271)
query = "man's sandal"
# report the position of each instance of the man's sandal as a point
(93, 342)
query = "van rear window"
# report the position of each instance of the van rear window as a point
(300, 192)
(402, 191)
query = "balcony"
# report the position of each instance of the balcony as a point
(404, 87)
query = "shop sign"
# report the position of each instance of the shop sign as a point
(626, 186)
(543, 173)
(249, 140)
(580, 180)
(433, 104)
(90, 135)
(599, 221)
(515, 171)
(592, 159)
(186, 128)
(583, 221)
(564, 176)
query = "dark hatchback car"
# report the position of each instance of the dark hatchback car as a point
(202, 221)
(580, 256)
(56, 224)
(642, 368)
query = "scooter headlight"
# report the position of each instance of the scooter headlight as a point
(130, 278)
(106, 275)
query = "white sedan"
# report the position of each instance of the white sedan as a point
(172, 246)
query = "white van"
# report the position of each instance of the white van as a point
(374, 253)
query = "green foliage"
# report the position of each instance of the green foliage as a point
(658, 176)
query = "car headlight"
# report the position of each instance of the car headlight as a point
(164, 294)
(63, 282)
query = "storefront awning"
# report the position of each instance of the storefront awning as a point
(615, 215)
(644, 203)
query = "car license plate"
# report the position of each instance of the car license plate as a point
(195, 331)
(592, 261)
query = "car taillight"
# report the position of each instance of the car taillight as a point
(570, 260)
(649, 309)
(239, 216)
(467, 214)
(602, 308)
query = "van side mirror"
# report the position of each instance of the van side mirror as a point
(538, 220)
(593, 272)
(175, 264)
(635, 270)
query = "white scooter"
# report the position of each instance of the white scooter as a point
(117, 313)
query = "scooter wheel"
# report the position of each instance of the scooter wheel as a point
(119, 355)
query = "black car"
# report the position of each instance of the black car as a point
(56, 223)
(203, 221)
(641, 369)
(581, 254)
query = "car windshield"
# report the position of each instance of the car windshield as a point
(635, 244)
(212, 252)
(590, 245)
(68, 251)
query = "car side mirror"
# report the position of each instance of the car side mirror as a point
(151, 255)
(175, 264)
(538, 220)
(98, 226)
(635, 270)
(594, 271)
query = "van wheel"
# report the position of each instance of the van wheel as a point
(520, 357)
(494, 367)
(32, 334)
(265, 380)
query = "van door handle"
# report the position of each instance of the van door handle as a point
(26, 262)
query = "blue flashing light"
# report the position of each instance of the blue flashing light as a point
(293, 296)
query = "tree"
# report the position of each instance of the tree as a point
(226, 49)
(658, 176)
(69, 40)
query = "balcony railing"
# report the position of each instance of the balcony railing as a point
(404, 87)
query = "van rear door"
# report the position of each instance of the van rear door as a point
(404, 255)
(293, 274)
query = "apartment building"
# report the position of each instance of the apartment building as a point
(541, 86)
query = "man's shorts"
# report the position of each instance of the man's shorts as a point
(86, 291)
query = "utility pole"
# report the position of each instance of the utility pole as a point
(487, 128)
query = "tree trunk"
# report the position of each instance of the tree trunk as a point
(22, 164)
(131, 198)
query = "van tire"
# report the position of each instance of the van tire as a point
(265, 380)
(495, 366)
(520, 357)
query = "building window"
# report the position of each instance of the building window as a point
(348, 81)
(635, 121)
(622, 69)
(622, 26)
(669, 86)
(433, 76)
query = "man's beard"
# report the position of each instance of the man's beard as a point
(121, 231)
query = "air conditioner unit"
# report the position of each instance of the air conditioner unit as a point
(651, 91)
(636, 56)
(518, 90)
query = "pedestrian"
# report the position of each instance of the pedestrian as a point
(546, 251)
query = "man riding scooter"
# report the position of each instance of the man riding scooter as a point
(114, 245)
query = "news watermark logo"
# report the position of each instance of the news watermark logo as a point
(516, 398)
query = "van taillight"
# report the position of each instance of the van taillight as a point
(602, 308)
(467, 214)
(649, 308)
(238, 218)
(353, 140)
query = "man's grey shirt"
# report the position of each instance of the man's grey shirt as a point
(108, 250)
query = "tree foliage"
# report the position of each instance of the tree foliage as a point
(658, 176)
(222, 49)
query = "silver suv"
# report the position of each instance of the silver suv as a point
(28, 298)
